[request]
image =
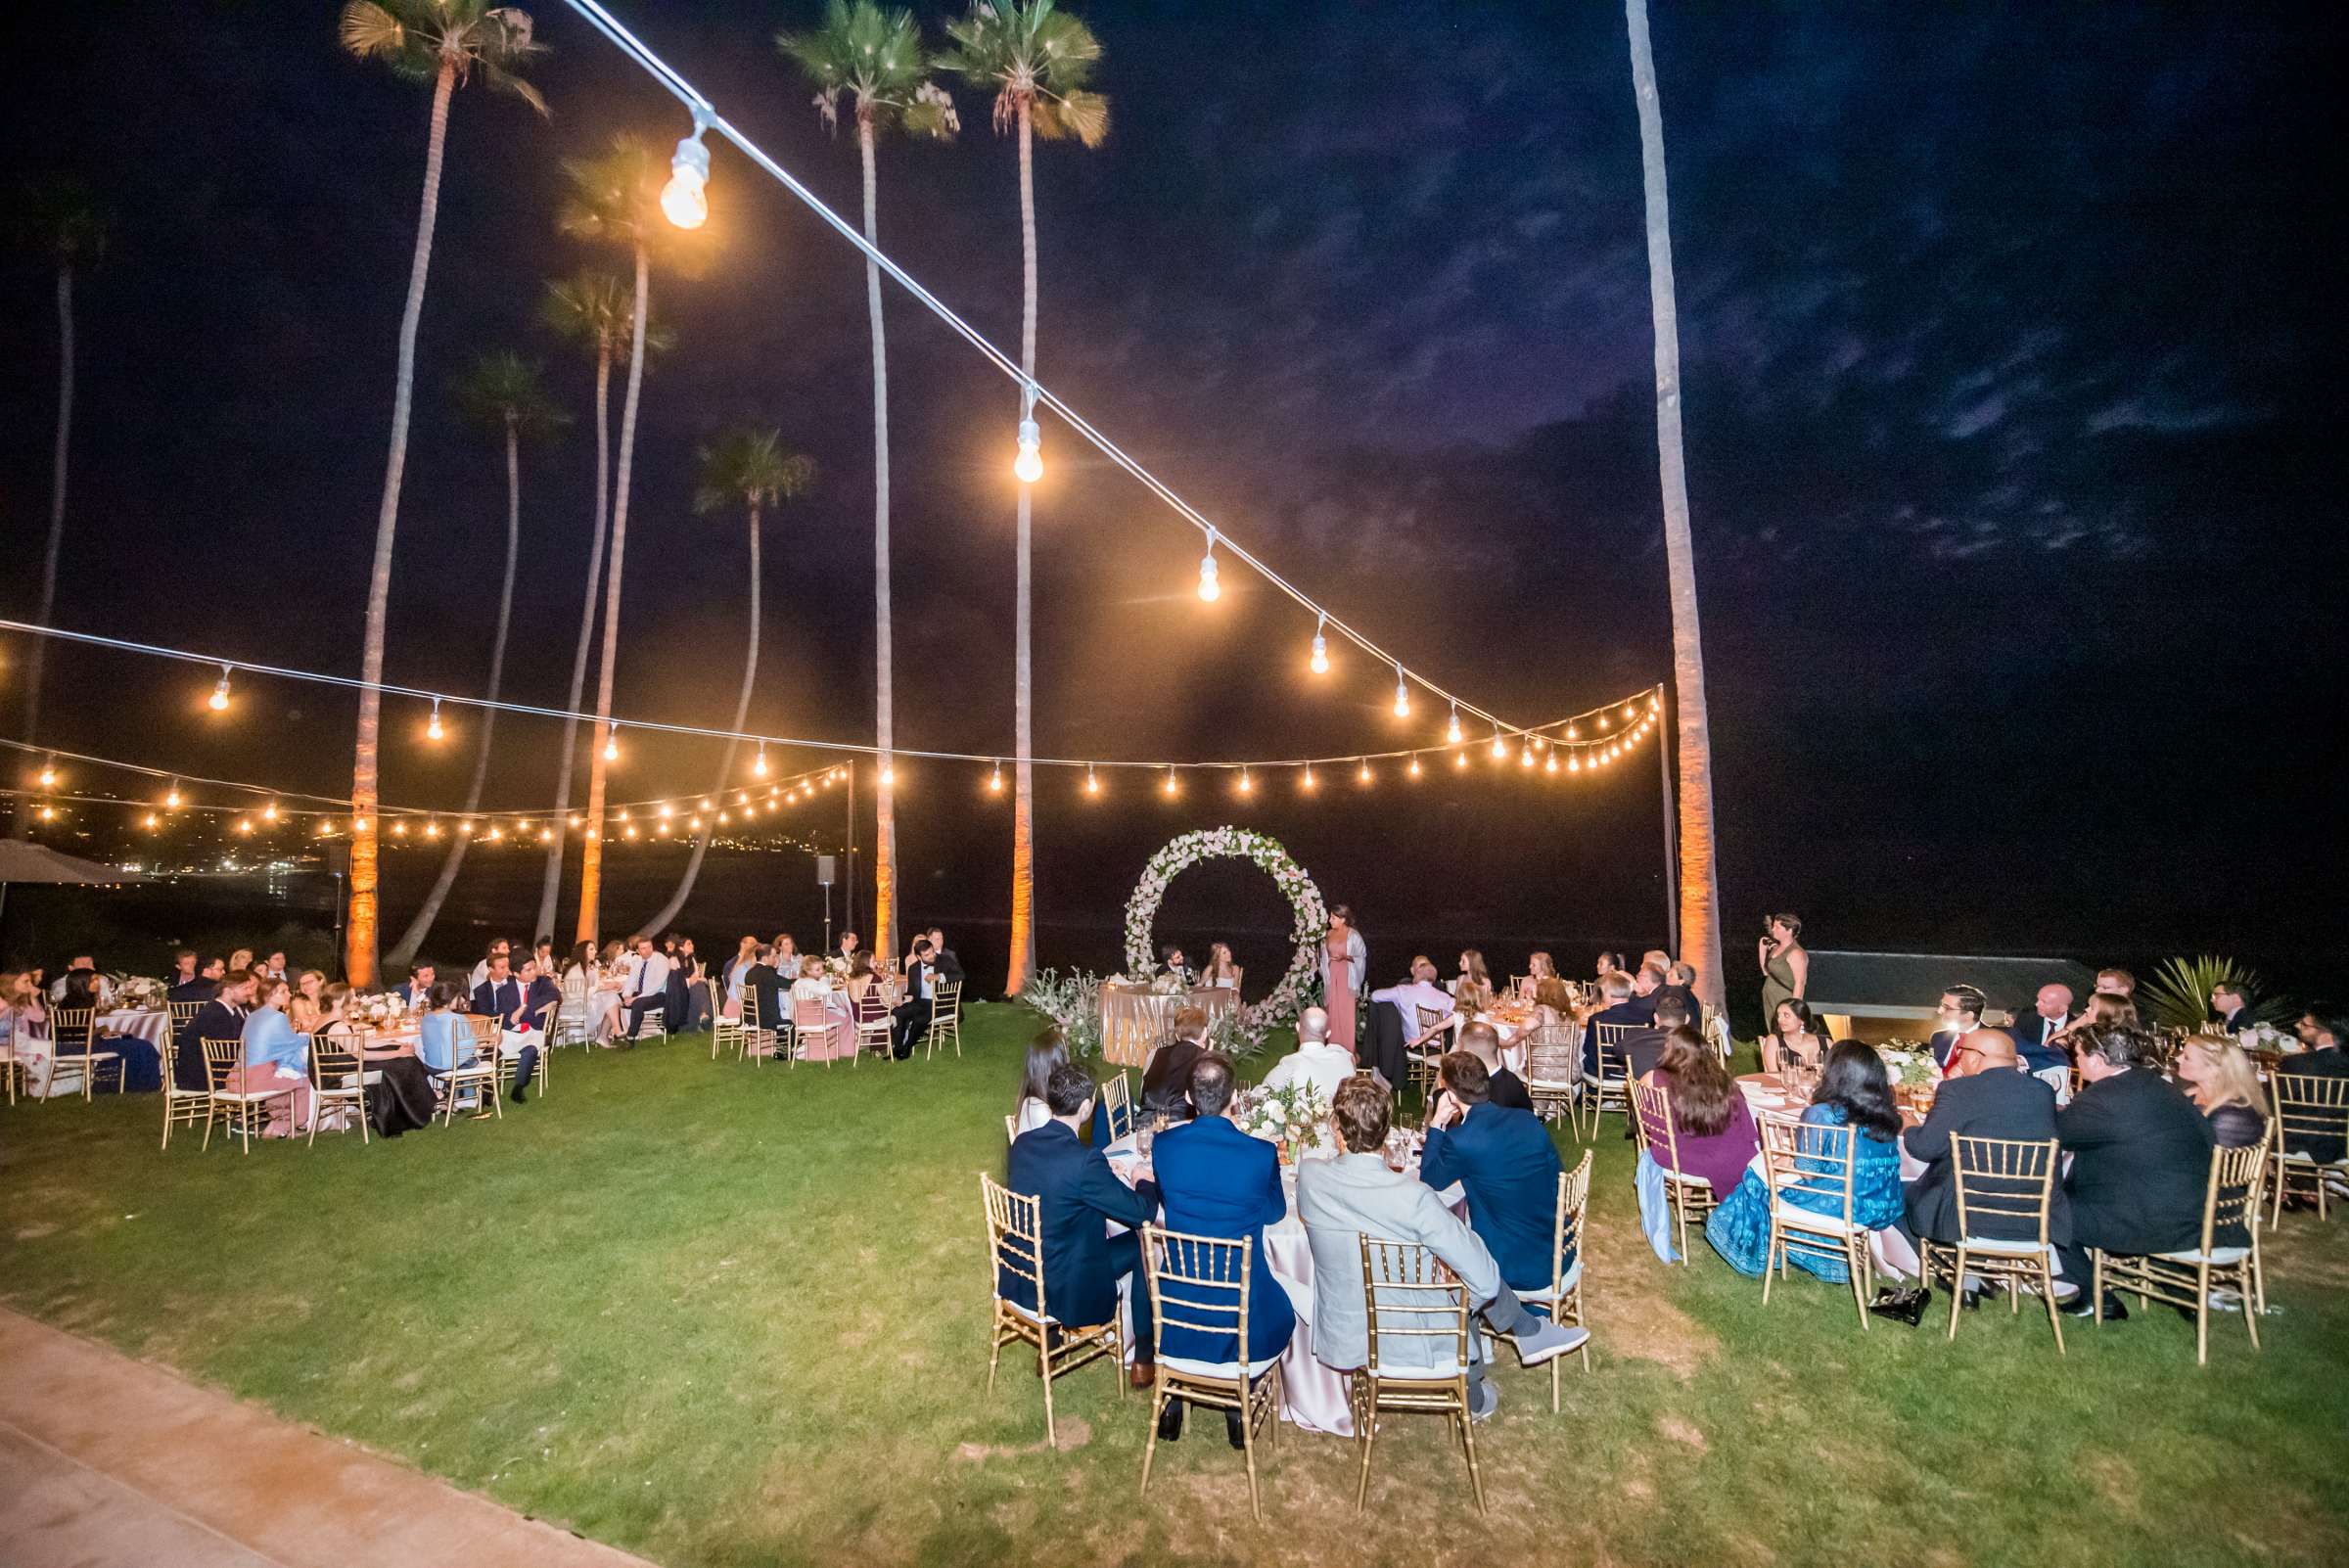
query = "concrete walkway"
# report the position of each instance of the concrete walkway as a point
(112, 1463)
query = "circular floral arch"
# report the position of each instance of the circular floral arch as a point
(1234, 843)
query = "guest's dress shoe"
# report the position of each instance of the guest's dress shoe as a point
(1169, 1422)
(1902, 1306)
(2084, 1307)
(1141, 1374)
(1234, 1430)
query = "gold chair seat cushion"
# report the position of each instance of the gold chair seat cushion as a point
(1681, 1178)
(1993, 1246)
(1547, 1296)
(1229, 1369)
(1793, 1218)
(2218, 1256)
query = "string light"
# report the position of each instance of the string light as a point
(1551, 765)
(171, 799)
(666, 811)
(1029, 466)
(1321, 647)
(1414, 764)
(431, 827)
(1500, 747)
(685, 198)
(1402, 696)
(1363, 773)
(547, 835)
(432, 731)
(49, 773)
(1574, 764)
(1451, 731)
(1525, 754)
(612, 745)
(495, 833)
(269, 812)
(759, 762)
(1172, 788)
(218, 701)
(574, 819)
(695, 823)
(358, 824)
(399, 830)
(888, 775)
(995, 780)
(1093, 785)
(465, 826)
(1308, 775)
(1572, 733)
(1247, 786)
(1460, 759)
(1209, 589)
(152, 819)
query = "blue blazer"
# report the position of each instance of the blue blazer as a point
(1076, 1192)
(1216, 1180)
(1636, 1012)
(1505, 1160)
(2035, 1056)
(498, 999)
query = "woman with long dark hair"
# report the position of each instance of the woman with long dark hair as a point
(1854, 1091)
(1713, 1133)
(1044, 1052)
(1794, 1036)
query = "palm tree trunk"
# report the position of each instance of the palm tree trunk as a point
(551, 887)
(591, 858)
(1700, 879)
(403, 951)
(1023, 801)
(359, 931)
(885, 836)
(40, 656)
(725, 767)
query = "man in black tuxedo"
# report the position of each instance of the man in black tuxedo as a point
(910, 1019)
(2035, 1032)
(540, 990)
(942, 959)
(2324, 1058)
(2141, 1160)
(418, 984)
(221, 1018)
(1647, 983)
(1171, 958)
(2233, 1003)
(1961, 1015)
(1680, 981)
(1482, 1040)
(1167, 1078)
(1994, 1101)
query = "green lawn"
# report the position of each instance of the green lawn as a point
(731, 1315)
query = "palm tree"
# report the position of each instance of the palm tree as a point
(1700, 878)
(67, 223)
(444, 42)
(592, 308)
(875, 57)
(501, 393)
(1036, 61)
(749, 467)
(615, 199)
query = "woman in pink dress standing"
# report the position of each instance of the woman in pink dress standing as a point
(1345, 963)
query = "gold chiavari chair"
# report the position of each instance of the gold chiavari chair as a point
(2184, 1279)
(757, 1042)
(183, 1013)
(2307, 1109)
(245, 1111)
(338, 1079)
(1610, 1088)
(72, 1032)
(1553, 1072)
(2006, 1183)
(1424, 1053)
(13, 1068)
(812, 1022)
(1813, 1160)
(1416, 1315)
(182, 1107)
(946, 1018)
(1561, 1300)
(725, 1030)
(1651, 1115)
(873, 1024)
(1117, 1106)
(1201, 1284)
(1015, 1248)
(509, 1068)
(1011, 1129)
(479, 1074)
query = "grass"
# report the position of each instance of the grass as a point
(729, 1316)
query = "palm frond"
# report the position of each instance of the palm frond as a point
(499, 79)
(875, 58)
(371, 32)
(749, 467)
(501, 386)
(2177, 995)
(1083, 115)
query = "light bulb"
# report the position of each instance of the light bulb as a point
(1209, 589)
(758, 763)
(243, 825)
(995, 780)
(1500, 747)
(631, 830)
(1029, 466)
(1172, 788)
(497, 833)
(1604, 721)
(1362, 774)
(1321, 648)
(152, 819)
(723, 819)
(612, 745)
(431, 829)
(358, 824)
(1460, 759)
(1628, 709)
(574, 819)
(1414, 764)
(218, 701)
(48, 775)
(1525, 756)
(269, 812)
(1308, 775)
(624, 814)
(694, 823)
(1451, 731)
(1246, 784)
(1402, 695)
(399, 830)
(888, 775)
(665, 813)
(171, 800)
(685, 198)
(1574, 764)
(547, 835)
(1572, 732)
(1093, 785)
(432, 731)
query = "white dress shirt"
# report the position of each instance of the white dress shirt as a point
(1323, 1066)
(648, 976)
(1413, 995)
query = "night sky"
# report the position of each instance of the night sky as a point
(2010, 340)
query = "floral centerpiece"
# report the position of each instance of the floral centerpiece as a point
(1294, 1116)
(837, 968)
(378, 1007)
(2268, 1038)
(142, 991)
(1305, 900)
(1908, 1064)
(1073, 1002)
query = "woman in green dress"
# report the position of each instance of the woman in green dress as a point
(1785, 966)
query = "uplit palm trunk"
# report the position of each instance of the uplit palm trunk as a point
(1023, 803)
(40, 656)
(359, 931)
(725, 767)
(591, 858)
(403, 951)
(885, 845)
(1700, 881)
(550, 888)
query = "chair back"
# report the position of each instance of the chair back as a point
(1430, 1020)
(2237, 1178)
(1810, 1157)
(546, 1019)
(1415, 1312)
(2005, 1180)
(809, 1013)
(1199, 1283)
(332, 1060)
(221, 1057)
(1652, 1124)
(183, 1013)
(2307, 1107)
(1015, 1238)
(1573, 1207)
(487, 1028)
(945, 999)
(1117, 1106)
(1614, 1035)
(1554, 1055)
(70, 1029)
(750, 1008)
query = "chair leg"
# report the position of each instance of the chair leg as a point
(1365, 1430)
(1476, 1479)
(2096, 1283)
(2202, 1315)
(1769, 1255)
(994, 1351)
(2250, 1291)
(2046, 1289)
(1256, 1506)
(1158, 1403)
(1043, 1367)
(1956, 1285)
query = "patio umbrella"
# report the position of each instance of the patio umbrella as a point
(21, 861)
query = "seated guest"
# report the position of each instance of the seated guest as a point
(1473, 989)
(1961, 1015)
(1314, 1061)
(1982, 1051)
(2140, 1159)
(1354, 1195)
(1167, 1077)
(1647, 982)
(306, 1012)
(1048, 1051)
(500, 995)
(1220, 973)
(746, 953)
(444, 1038)
(238, 960)
(1510, 1168)
(277, 1062)
(2038, 1032)
(2308, 1025)
(2232, 1003)
(1645, 1048)
(1482, 1040)
(687, 993)
(1620, 1009)
(1171, 960)
(140, 1062)
(22, 1019)
(1854, 1091)
(1680, 981)
(1417, 995)
(541, 991)
(1539, 966)
(910, 1018)
(1076, 1193)
(849, 944)
(100, 988)
(787, 954)
(2105, 1010)
(942, 959)
(2221, 1081)
(866, 1003)
(1216, 1180)
(500, 948)
(1609, 963)
(645, 988)
(1713, 1130)
(1794, 1036)
(202, 987)
(221, 1018)
(418, 986)
(2117, 983)
(2324, 1058)
(763, 983)
(183, 969)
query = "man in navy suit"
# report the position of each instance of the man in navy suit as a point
(1216, 1180)
(417, 986)
(502, 996)
(1076, 1192)
(221, 1018)
(201, 987)
(1505, 1160)
(1621, 1008)
(1961, 1015)
(2035, 1032)
(2233, 1003)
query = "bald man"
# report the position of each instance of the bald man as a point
(2035, 1032)
(1983, 1050)
(1502, 1086)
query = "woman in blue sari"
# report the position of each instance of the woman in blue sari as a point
(1855, 1092)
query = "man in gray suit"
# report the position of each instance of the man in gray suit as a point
(1355, 1194)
